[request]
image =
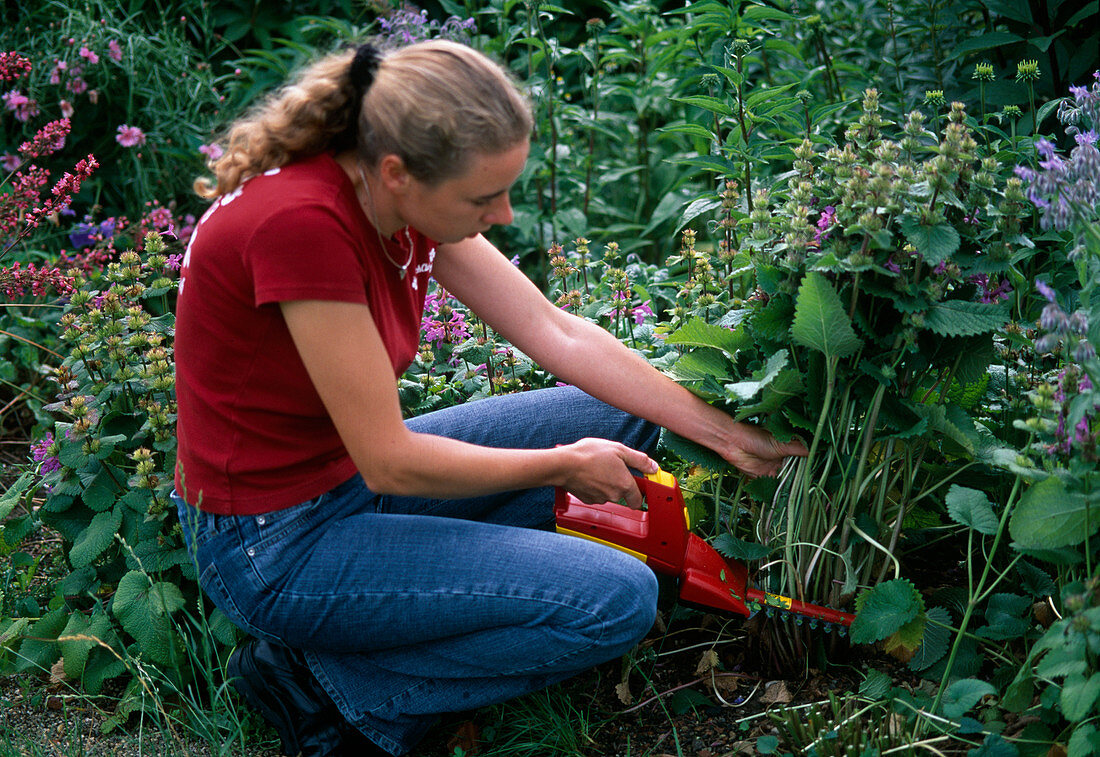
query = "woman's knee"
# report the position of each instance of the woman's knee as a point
(631, 597)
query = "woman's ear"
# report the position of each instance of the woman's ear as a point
(395, 176)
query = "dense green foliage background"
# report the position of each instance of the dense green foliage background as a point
(872, 226)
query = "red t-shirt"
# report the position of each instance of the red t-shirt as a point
(253, 433)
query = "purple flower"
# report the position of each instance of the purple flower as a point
(1087, 138)
(1044, 147)
(993, 294)
(1045, 290)
(83, 235)
(642, 311)
(40, 453)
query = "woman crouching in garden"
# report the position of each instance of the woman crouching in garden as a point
(394, 570)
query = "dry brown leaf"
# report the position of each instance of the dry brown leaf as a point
(622, 690)
(57, 671)
(776, 692)
(709, 661)
(1057, 751)
(727, 684)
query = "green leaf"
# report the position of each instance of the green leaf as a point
(964, 318)
(995, 745)
(1049, 517)
(820, 322)
(884, 609)
(971, 508)
(983, 42)
(1035, 581)
(694, 130)
(1085, 741)
(765, 13)
(935, 641)
(962, 695)
(696, 209)
(934, 243)
(100, 495)
(786, 385)
(698, 333)
(1021, 692)
(95, 538)
(746, 390)
(712, 104)
(1004, 616)
(14, 494)
(767, 744)
(142, 608)
(1079, 694)
(875, 684)
(38, 651)
(692, 452)
(738, 549)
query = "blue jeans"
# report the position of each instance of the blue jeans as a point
(409, 607)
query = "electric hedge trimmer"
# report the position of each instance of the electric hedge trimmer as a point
(661, 537)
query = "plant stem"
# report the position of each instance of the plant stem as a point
(976, 592)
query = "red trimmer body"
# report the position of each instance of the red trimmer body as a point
(661, 537)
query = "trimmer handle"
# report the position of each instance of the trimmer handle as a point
(657, 535)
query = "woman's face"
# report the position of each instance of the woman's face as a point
(468, 204)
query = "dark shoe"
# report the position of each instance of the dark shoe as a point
(277, 681)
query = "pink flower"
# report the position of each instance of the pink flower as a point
(160, 218)
(14, 99)
(211, 151)
(58, 67)
(24, 108)
(90, 55)
(49, 139)
(77, 85)
(66, 108)
(130, 136)
(114, 50)
(10, 162)
(13, 66)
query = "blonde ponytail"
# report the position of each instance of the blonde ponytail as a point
(431, 103)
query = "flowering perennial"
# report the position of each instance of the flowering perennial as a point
(130, 136)
(13, 66)
(18, 281)
(1067, 190)
(49, 139)
(442, 322)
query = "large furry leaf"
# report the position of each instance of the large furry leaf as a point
(748, 389)
(144, 609)
(94, 539)
(1049, 517)
(934, 243)
(820, 322)
(965, 318)
(698, 333)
